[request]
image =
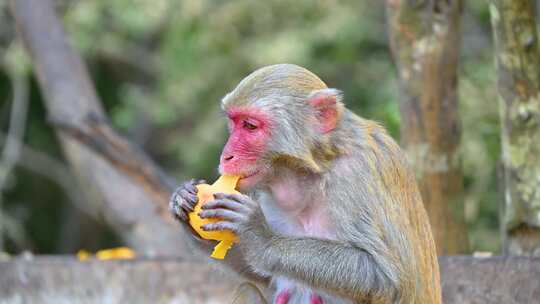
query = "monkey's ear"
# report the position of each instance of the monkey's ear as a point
(328, 106)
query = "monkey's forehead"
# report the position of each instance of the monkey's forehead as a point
(285, 79)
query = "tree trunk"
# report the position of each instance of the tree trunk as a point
(518, 69)
(425, 39)
(130, 192)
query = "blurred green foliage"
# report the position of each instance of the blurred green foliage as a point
(162, 66)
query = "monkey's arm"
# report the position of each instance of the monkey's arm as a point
(330, 265)
(340, 267)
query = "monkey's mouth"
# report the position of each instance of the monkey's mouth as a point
(249, 180)
(251, 174)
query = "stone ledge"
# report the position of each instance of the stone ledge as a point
(63, 279)
(494, 280)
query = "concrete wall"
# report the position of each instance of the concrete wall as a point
(59, 279)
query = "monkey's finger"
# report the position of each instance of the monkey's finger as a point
(220, 226)
(190, 186)
(183, 193)
(176, 211)
(189, 197)
(224, 214)
(182, 216)
(225, 203)
(187, 207)
(240, 198)
(174, 202)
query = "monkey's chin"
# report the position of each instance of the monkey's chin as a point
(250, 181)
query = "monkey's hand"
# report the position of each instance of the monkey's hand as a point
(183, 200)
(239, 214)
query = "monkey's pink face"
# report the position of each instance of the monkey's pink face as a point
(242, 155)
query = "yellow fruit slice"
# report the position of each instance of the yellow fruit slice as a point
(118, 253)
(115, 254)
(225, 184)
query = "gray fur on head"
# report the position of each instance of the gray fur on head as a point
(293, 80)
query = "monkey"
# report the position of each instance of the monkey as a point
(330, 210)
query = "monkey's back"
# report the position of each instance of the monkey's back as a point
(381, 180)
(425, 249)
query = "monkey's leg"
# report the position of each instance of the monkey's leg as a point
(248, 293)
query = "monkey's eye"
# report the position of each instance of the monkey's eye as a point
(249, 126)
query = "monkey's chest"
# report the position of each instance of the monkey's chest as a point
(288, 291)
(291, 292)
(314, 225)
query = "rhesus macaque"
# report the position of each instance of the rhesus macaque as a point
(333, 213)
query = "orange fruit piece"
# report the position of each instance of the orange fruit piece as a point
(115, 254)
(225, 184)
(118, 253)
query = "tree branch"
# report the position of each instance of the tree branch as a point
(53, 169)
(134, 190)
(12, 147)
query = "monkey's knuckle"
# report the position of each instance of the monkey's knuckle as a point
(174, 196)
(244, 220)
(171, 203)
(178, 211)
(227, 214)
(179, 201)
(233, 217)
(233, 227)
(192, 202)
(179, 189)
(220, 203)
(244, 198)
(184, 193)
(230, 226)
(174, 204)
(212, 213)
(210, 205)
